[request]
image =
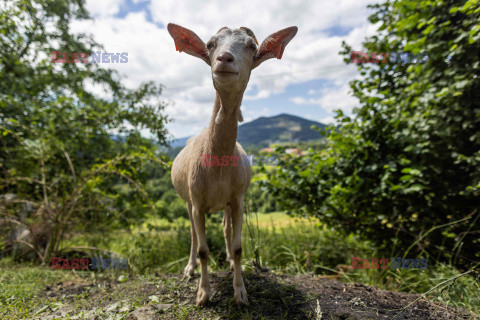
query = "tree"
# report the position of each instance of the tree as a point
(63, 147)
(409, 159)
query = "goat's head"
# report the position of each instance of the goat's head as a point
(232, 54)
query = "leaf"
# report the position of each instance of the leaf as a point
(122, 278)
(429, 29)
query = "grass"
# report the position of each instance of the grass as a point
(20, 285)
(277, 241)
(280, 220)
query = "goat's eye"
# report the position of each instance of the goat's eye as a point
(210, 45)
(252, 46)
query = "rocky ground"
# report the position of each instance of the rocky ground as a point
(271, 296)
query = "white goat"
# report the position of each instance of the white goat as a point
(232, 54)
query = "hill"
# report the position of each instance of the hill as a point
(179, 142)
(265, 131)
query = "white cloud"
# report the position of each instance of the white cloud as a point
(103, 8)
(260, 95)
(250, 114)
(331, 99)
(302, 100)
(339, 98)
(312, 54)
(328, 120)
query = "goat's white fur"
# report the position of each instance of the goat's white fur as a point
(232, 54)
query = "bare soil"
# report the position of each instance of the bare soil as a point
(271, 296)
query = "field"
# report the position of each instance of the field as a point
(283, 257)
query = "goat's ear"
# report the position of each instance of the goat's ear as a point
(186, 40)
(273, 45)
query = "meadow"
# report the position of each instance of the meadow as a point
(275, 241)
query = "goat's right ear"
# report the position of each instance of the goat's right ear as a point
(186, 40)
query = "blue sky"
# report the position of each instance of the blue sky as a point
(310, 80)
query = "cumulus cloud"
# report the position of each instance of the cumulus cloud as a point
(311, 55)
(330, 99)
(250, 114)
(104, 8)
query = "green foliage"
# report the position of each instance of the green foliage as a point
(286, 245)
(260, 200)
(69, 157)
(409, 159)
(283, 244)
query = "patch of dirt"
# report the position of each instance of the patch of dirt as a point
(67, 288)
(271, 296)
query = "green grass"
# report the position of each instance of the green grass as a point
(277, 241)
(21, 284)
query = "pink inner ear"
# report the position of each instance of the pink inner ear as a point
(181, 44)
(279, 52)
(273, 48)
(275, 44)
(186, 40)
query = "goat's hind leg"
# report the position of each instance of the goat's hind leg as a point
(237, 217)
(227, 232)
(192, 261)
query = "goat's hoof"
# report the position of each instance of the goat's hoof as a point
(189, 270)
(202, 297)
(241, 296)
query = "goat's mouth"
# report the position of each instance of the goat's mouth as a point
(225, 72)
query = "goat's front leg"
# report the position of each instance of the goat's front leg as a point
(227, 232)
(192, 261)
(203, 294)
(240, 293)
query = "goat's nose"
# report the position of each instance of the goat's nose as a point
(225, 57)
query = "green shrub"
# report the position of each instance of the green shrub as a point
(407, 163)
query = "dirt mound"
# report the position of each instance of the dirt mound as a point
(271, 296)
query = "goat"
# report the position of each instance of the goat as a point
(231, 54)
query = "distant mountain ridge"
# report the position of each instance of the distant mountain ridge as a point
(266, 131)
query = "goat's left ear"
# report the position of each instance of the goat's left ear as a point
(186, 40)
(273, 45)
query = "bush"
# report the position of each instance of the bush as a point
(407, 164)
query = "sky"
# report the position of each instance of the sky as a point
(311, 80)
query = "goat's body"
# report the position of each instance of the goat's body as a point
(232, 54)
(212, 187)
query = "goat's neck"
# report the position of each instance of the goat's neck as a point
(223, 135)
